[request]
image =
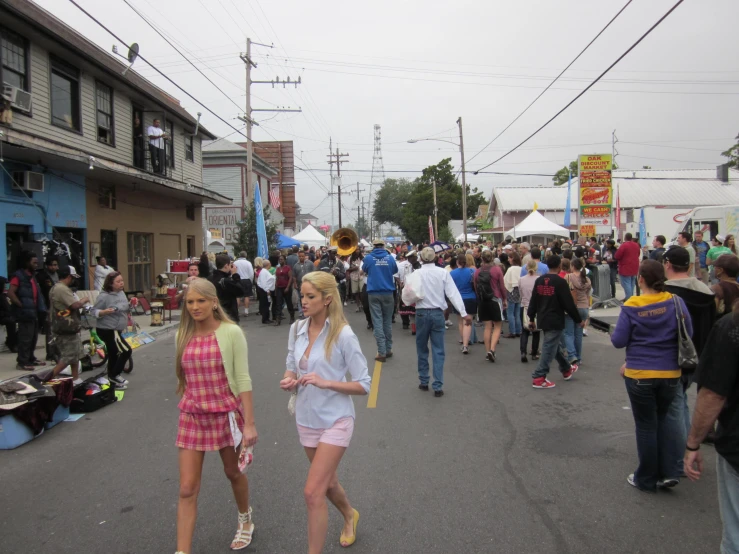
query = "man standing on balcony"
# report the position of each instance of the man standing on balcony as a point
(156, 146)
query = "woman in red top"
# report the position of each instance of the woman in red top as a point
(283, 291)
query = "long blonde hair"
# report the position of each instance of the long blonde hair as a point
(258, 262)
(325, 283)
(187, 324)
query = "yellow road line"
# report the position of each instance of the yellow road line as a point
(375, 388)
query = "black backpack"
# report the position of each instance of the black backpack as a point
(484, 287)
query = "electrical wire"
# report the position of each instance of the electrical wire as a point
(598, 78)
(137, 12)
(588, 45)
(88, 14)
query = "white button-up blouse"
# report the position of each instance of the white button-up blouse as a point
(321, 408)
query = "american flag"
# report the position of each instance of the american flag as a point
(431, 231)
(274, 196)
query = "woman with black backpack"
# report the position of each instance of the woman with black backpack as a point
(490, 287)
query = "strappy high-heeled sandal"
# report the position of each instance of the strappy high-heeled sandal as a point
(245, 531)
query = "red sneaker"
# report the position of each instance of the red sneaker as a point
(543, 383)
(569, 373)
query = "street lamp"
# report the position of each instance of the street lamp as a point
(464, 181)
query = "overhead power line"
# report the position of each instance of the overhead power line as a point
(180, 53)
(598, 78)
(553, 81)
(111, 33)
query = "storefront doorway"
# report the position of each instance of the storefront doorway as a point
(17, 239)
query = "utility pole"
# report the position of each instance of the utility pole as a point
(436, 215)
(464, 181)
(359, 202)
(338, 161)
(247, 59)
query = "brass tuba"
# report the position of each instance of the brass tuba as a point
(346, 240)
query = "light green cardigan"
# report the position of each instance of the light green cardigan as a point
(235, 355)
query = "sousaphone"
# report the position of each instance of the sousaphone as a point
(346, 241)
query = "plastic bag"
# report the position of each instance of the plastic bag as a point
(413, 291)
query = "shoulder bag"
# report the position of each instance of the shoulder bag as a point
(294, 394)
(687, 357)
(413, 290)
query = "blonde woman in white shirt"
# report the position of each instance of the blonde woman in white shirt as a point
(511, 281)
(321, 350)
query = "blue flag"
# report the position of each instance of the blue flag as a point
(262, 251)
(642, 229)
(567, 207)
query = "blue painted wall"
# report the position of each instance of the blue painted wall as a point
(63, 203)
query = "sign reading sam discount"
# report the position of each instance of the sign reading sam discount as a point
(596, 193)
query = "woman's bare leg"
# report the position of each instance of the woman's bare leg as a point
(191, 469)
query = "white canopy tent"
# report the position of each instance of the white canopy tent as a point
(537, 224)
(311, 236)
(364, 243)
(470, 237)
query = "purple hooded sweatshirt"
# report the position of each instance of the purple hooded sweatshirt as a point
(647, 327)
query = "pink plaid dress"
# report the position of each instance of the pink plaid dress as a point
(208, 398)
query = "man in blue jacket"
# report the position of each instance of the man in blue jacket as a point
(380, 268)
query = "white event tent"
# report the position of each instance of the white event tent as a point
(537, 224)
(311, 236)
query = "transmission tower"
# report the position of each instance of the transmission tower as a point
(378, 172)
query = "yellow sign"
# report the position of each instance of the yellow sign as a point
(215, 234)
(587, 230)
(595, 162)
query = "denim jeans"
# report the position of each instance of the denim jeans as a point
(573, 335)
(554, 347)
(728, 504)
(514, 318)
(381, 307)
(473, 333)
(628, 284)
(679, 414)
(430, 325)
(659, 440)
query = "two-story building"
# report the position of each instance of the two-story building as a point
(224, 172)
(76, 174)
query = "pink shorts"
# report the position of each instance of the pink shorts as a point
(339, 434)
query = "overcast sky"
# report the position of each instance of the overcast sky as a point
(415, 66)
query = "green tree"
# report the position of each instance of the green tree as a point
(733, 154)
(561, 177)
(245, 237)
(389, 200)
(420, 204)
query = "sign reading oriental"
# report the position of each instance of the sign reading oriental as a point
(596, 193)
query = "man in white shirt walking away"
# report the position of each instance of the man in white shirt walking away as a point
(430, 319)
(157, 136)
(265, 286)
(246, 272)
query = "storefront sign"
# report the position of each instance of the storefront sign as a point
(596, 193)
(223, 223)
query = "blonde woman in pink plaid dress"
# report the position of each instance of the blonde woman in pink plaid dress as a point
(216, 410)
(321, 351)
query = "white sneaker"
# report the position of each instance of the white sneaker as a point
(584, 332)
(77, 381)
(120, 381)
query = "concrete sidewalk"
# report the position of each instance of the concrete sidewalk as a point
(8, 359)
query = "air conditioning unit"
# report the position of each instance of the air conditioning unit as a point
(28, 180)
(18, 98)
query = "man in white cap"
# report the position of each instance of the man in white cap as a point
(430, 319)
(65, 321)
(524, 250)
(380, 268)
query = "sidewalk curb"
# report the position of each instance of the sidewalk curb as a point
(602, 325)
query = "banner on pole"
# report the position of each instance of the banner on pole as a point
(262, 250)
(431, 231)
(596, 193)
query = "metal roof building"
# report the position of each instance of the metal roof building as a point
(670, 188)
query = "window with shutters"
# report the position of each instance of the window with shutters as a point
(104, 105)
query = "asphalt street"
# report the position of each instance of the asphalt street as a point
(493, 466)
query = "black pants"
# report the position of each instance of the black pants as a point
(534, 341)
(283, 296)
(27, 339)
(365, 305)
(263, 304)
(118, 351)
(614, 272)
(157, 158)
(52, 352)
(11, 335)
